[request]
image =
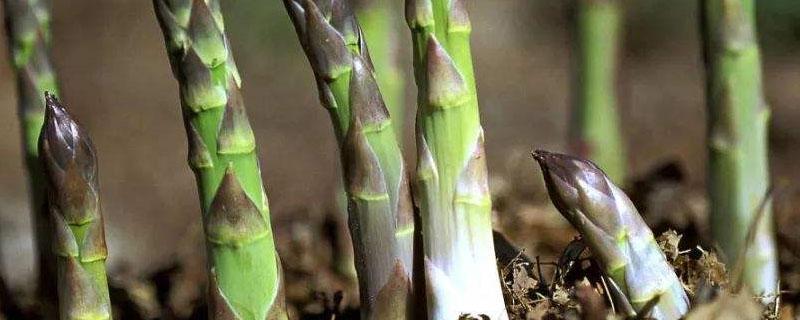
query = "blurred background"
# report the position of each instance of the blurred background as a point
(114, 75)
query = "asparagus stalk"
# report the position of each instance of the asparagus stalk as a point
(245, 279)
(380, 210)
(738, 116)
(619, 239)
(451, 183)
(596, 133)
(70, 166)
(28, 29)
(377, 19)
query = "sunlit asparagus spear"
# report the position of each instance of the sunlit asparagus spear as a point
(615, 232)
(451, 184)
(28, 29)
(380, 210)
(596, 133)
(244, 269)
(70, 165)
(738, 120)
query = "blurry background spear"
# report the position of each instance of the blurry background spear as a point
(595, 132)
(737, 125)
(27, 25)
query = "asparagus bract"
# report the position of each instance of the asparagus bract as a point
(619, 239)
(738, 116)
(244, 268)
(596, 133)
(380, 210)
(451, 184)
(377, 20)
(28, 29)
(70, 165)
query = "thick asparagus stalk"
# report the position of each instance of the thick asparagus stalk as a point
(738, 116)
(451, 183)
(615, 232)
(70, 165)
(378, 22)
(244, 268)
(380, 210)
(595, 130)
(28, 29)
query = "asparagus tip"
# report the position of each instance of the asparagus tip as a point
(60, 133)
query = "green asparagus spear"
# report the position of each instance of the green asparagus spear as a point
(596, 132)
(451, 184)
(378, 21)
(738, 116)
(244, 268)
(70, 166)
(619, 239)
(380, 210)
(28, 30)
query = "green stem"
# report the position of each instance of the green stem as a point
(738, 120)
(451, 184)
(244, 268)
(28, 31)
(596, 131)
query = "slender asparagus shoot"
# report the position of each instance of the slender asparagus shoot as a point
(380, 208)
(738, 119)
(451, 183)
(70, 165)
(244, 269)
(28, 29)
(619, 239)
(595, 130)
(378, 22)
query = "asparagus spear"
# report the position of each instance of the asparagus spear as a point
(619, 239)
(380, 210)
(595, 132)
(377, 19)
(244, 268)
(28, 28)
(451, 183)
(70, 166)
(738, 174)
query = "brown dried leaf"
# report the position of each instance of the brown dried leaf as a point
(668, 241)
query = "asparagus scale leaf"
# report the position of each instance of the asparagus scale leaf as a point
(738, 121)
(616, 233)
(28, 29)
(245, 281)
(378, 21)
(380, 209)
(70, 165)
(451, 184)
